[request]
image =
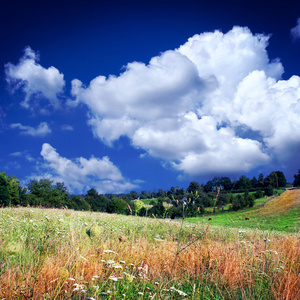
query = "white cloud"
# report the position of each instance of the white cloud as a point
(83, 174)
(35, 81)
(43, 129)
(295, 31)
(67, 127)
(187, 105)
(23, 154)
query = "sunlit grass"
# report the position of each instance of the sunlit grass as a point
(279, 213)
(62, 254)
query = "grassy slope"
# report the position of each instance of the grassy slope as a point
(281, 213)
(47, 254)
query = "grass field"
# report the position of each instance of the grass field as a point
(64, 254)
(281, 213)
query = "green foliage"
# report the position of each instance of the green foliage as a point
(5, 198)
(117, 206)
(250, 200)
(44, 192)
(296, 182)
(158, 210)
(269, 191)
(223, 199)
(137, 206)
(78, 203)
(275, 179)
(95, 201)
(14, 190)
(258, 194)
(193, 187)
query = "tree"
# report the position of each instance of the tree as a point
(97, 202)
(296, 182)
(244, 183)
(250, 200)
(117, 206)
(133, 195)
(254, 182)
(226, 183)
(269, 191)
(281, 179)
(4, 190)
(193, 187)
(158, 210)
(222, 199)
(78, 203)
(261, 180)
(44, 192)
(276, 179)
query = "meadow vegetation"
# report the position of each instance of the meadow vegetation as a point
(66, 254)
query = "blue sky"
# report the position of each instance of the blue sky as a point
(142, 95)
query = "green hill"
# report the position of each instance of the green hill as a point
(280, 213)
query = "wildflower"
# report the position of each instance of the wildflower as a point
(109, 251)
(113, 278)
(181, 293)
(116, 266)
(111, 262)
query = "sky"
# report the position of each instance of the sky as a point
(145, 95)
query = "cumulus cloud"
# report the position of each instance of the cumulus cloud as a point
(43, 129)
(295, 31)
(37, 82)
(188, 105)
(83, 174)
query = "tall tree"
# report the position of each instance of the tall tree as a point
(44, 192)
(193, 187)
(296, 182)
(97, 202)
(276, 179)
(4, 190)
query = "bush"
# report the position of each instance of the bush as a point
(258, 194)
(250, 200)
(175, 212)
(269, 191)
(117, 206)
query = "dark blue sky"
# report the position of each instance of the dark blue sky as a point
(191, 89)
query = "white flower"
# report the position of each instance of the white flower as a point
(113, 278)
(181, 293)
(109, 251)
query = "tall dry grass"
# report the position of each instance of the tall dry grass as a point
(47, 254)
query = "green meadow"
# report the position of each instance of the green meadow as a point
(66, 254)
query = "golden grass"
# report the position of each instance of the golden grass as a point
(286, 201)
(154, 251)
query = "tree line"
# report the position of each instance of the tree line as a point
(173, 203)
